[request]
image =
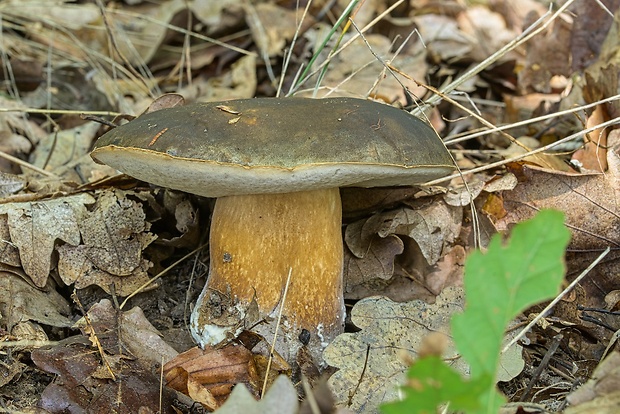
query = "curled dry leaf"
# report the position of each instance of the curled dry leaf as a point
(593, 155)
(114, 235)
(408, 241)
(34, 228)
(374, 262)
(431, 225)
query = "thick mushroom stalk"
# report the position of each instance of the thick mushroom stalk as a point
(255, 241)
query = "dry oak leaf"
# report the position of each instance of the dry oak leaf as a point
(137, 334)
(400, 242)
(372, 362)
(280, 398)
(114, 235)
(209, 375)
(34, 228)
(590, 203)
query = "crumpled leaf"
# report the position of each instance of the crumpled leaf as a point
(114, 235)
(431, 225)
(377, 260)
(389, 248)
(281, 398)
(34, 228)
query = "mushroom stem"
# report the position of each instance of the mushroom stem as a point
(254, 241)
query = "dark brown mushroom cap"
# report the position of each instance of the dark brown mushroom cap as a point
(276, 145)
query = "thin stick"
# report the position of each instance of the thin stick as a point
(275, 335)
(555, 301)
(59, 111)
(25, 164)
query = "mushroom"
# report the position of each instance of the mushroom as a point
(275, 166)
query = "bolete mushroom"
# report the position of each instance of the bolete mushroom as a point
(275, 166)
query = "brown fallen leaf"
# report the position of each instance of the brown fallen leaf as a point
(209, 375)
(590, 202)
(10, 184)
(547, 57)
(137, 335)
(355, 70)
(281, 398)
(270, 38)
(394, 252)
(80, 387)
